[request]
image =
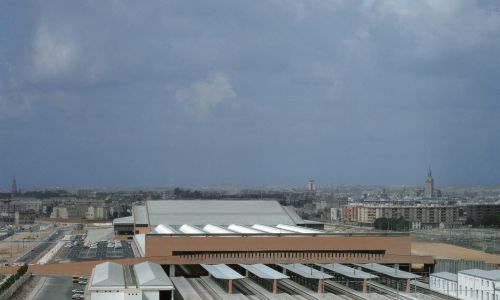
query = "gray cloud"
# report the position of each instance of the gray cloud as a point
(202, 97)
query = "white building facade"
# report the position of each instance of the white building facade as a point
(478, 284)
(445, 283)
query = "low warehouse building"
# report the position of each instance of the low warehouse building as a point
(144, 281)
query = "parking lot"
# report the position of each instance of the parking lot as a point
(79, 252)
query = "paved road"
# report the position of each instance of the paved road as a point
(33, 254)
(56, 288)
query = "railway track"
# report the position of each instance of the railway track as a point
(248, 290)
(433, 294)
(291, 289)
(208, 289)
(389, 292)
(342, 291)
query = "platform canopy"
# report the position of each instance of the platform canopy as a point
(305, 271)
(388, 271)
(222, 272)
(263, 271)
(347, 271)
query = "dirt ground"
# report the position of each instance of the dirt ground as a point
(20, 243)
(442, 250)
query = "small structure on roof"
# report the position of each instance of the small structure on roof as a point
(142, 281)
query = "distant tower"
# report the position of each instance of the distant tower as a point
(429, 185)
(14, 186)
(311, 186)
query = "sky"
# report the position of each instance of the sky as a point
(253, 93)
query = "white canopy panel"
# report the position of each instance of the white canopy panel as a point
(189, 229)
(162, 229)
(242, 229)
(222, 272)
(297, 229)
(263, 271)
(216, 229)
(270, 229)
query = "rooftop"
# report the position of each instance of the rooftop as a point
(491, 275)
(218, 212)
(446, 275)
(150, 274)
(140, 214)
(108, 274)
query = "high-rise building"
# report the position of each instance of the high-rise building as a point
(429, 185)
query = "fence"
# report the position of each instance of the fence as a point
(455, 265)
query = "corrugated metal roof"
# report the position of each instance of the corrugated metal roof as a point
(305, 271)
(152, 274)
(446, 275)
(263, 271)
(491, 275)
(140, 215)
(108, 274)
(222, 272)
(388, 271)
(218, 212)
(348, 271)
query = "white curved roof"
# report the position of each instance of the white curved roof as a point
(242, 229)
(164, 229)
(297, 229)
(270, 229)
(189, 229)
(209, 228)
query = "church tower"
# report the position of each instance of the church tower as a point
(429, 185)
(14, 187)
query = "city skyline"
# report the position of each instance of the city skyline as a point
(254, 94)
